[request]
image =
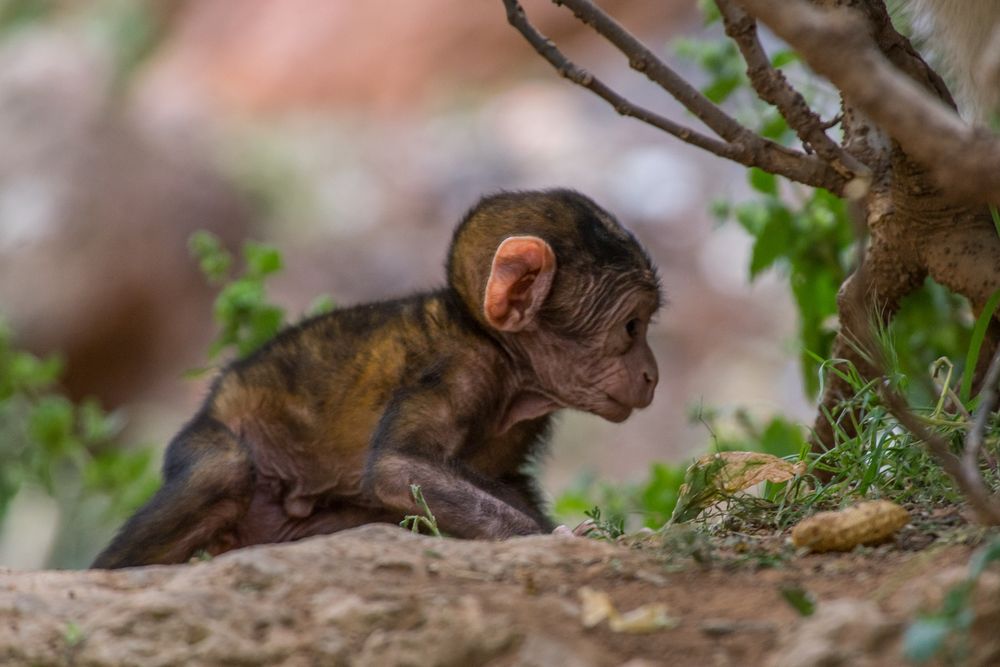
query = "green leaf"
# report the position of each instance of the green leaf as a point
(50, 424)
(710, 11)
(321, 305)
(264, 323)
(800, 600)
(781, 438)
(236, 299)
(261, 259)
(72, 634)
(752, 216)
(983, 557)
(658, 497)
(95, 425)
(29, 373)
(571, 503)
(721, 209)
(976, 344)
(772, 243)
(924, 638)
(214, 260)
(763, 182)
(774, 126)
(699, 490)
(721, 88)
(783, 57)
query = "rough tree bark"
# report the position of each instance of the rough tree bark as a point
(921, 175)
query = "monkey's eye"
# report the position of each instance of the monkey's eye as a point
(632, 327)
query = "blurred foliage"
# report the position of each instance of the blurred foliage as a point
(72, 452)
(811, 242)
(873, 458)
(17, 13)
(625, 506)
(245, 316)
(129, 30)
(807, 235)
(68, 451)
(651, 502)
(260, 163)
(132, 29)
(605, 528)
(945, 633)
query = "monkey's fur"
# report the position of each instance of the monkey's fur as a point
(965, 35)
(328, 425)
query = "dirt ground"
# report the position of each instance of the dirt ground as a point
(379, 595)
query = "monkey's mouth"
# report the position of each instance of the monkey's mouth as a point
(615, 410)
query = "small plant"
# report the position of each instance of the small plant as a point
(201, 556)
(417, 521)
(686, 541)
(73, 635)
(610, 528)
(648, 503)
(246, 318)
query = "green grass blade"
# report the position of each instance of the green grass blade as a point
(978, 334)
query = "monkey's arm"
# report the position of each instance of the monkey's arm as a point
(462, 504)
(525, 489)
(415, 444)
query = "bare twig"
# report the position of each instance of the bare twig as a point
(964, 159)
(740, 145)
(566, 68)
(641, 59)
(826, 125)
(772, 87)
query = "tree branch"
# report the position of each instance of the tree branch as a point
(566, 68)
(838, 44)
(641, 59)
(772, 87)
(741, 145)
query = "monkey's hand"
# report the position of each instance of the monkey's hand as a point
(582, 529)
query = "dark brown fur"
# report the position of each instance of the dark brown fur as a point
(327, 426)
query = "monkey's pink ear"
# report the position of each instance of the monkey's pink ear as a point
(520, 278)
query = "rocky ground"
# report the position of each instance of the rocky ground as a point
(378, 595)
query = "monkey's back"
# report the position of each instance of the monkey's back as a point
(322, 386)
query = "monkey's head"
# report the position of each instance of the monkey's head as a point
(559, 282)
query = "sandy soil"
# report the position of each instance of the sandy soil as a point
(378, 595)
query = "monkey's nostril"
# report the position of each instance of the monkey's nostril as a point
(647, 377)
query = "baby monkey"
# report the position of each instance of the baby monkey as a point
(546, 307)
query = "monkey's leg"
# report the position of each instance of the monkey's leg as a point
(208, 484)
(462, 508)
(326, 521)
(267, 522)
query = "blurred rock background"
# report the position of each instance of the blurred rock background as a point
(352, 136)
